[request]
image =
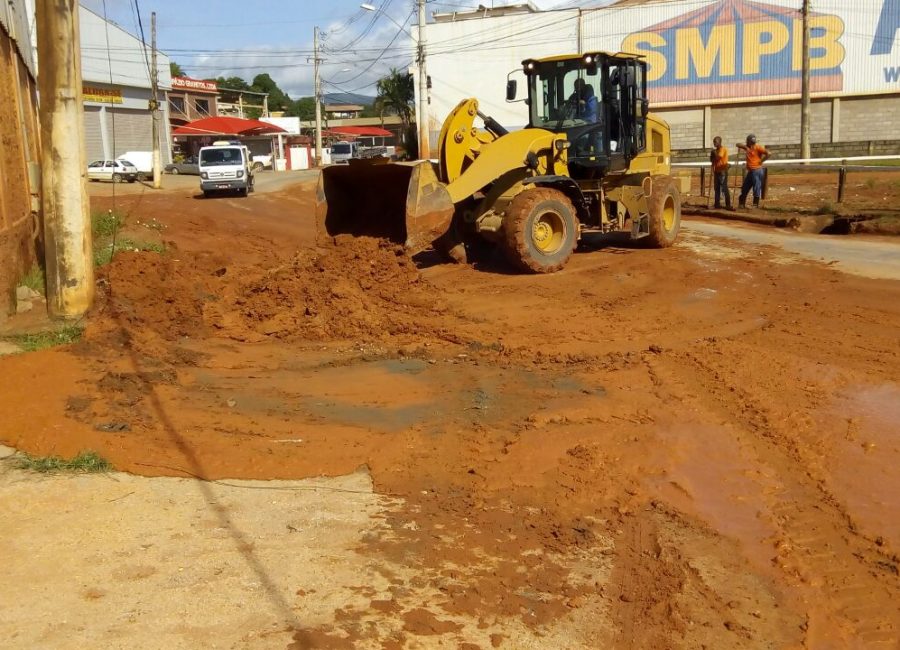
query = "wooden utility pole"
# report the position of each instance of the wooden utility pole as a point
(154, 105)
(805, 149)
(67, 222)
(424, 131)
(318, 92)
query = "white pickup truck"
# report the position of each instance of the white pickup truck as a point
(342, 152)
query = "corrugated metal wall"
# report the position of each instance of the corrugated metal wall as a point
(123, 130)
(19, 150)
(129, 130)
(14, 21)
(93, 134)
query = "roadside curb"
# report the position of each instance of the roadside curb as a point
(748, 217)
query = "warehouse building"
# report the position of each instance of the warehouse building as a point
(715, 67)
(116, 82)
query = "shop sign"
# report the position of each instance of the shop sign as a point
(102, 95)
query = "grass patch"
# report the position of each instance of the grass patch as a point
(49, 339)
(870, 183)
(87, 462)
(104, 254)
(105, 225)
(34, 279)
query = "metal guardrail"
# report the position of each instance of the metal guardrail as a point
(806, 164)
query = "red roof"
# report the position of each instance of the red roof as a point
(227, 126)
(367, 131)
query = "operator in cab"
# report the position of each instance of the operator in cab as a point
(587, 107)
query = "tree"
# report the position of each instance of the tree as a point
(395, 96)
(304, 108)
(232, 83)
(176, 70)
(278, 99)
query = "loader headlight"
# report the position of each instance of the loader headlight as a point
(588, 59)
(562, 144)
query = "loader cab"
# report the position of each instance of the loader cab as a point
(598, 100)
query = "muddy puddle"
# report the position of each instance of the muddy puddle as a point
(705, 471)
(399, 394)
(396, 394)
(863, 473)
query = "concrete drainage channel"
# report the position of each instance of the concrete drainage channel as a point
(815, 224)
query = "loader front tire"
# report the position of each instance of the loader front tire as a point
(664, 208)
(540, 230)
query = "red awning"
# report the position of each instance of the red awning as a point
(366, 131)
(223, 125)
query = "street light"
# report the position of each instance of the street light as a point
(424, 135)
(369, 7)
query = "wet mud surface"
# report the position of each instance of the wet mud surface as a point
(686, 448)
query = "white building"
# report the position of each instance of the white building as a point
(115, 68)
(715, 67)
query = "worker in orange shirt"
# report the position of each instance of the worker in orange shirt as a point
(718, 157)
(756, 156)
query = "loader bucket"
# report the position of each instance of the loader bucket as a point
(403, 202)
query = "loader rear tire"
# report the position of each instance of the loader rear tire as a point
(664, 208)
(540, 230)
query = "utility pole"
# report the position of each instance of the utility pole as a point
(154, 105)
(318, 91)
(68, 246)
(424, 132)
(805, 150)
(580, 30)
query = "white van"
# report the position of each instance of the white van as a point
(225, 166)
(143, 160)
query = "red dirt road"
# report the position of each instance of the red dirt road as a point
(691, 447)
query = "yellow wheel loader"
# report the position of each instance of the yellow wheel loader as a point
(592, 158)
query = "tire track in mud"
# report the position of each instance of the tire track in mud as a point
(847, 584)
(648, 580)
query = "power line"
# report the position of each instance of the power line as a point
(378, 58)
(382, 8)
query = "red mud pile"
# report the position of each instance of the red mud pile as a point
(359, 288)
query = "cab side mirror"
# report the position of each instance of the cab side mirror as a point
(511, 88)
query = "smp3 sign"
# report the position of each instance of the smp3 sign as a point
(741, 48)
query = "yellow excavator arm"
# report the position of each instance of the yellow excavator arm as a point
(471, 159)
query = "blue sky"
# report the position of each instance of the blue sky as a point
(245, 37)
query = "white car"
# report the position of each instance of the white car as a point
(112, 170)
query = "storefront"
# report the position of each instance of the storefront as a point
(116, 87)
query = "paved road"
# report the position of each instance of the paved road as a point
(868, 257)
(266, 181)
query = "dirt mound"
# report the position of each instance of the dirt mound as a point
(149, 290)
(358, 288)
(147, 301)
